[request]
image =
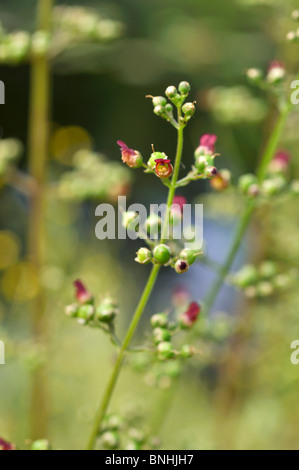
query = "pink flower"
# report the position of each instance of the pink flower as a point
(190, 316)
(179, 201)
(280, 162)
(180, 296)
(82, 294)
(276, 64)
(6, 445)
(206, 145)
(129, 156)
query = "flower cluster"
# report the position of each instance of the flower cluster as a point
(125, 432)
(276, 182)
(94, 177)
(88, 313)
(71, 25)
(262, 281)
(293, 36)
(10, 152)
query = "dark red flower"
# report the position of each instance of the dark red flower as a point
(163, 168)
(82, 294)
(190, 316)
(129, 156)
(208, 141)
(6, 445)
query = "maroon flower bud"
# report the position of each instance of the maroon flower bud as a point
(221, 181)
(82, 294)
(280, 162)
(129, 156)
(181, 266)
(190, 316)
(6, 445)
(163, 168)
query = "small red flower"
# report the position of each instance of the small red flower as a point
(82, 294)
(129, 156)
(280, 162)
(190, 316)
(163, 168)
(6, 445)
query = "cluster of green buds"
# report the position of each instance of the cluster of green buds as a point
(262, 281)
(119, 432)
(10, 152)
(70, 25)
(236, 105)
(87, 313)
(80, 23)
(275, 75)
(164, 107)
(293, 36)
(276, 181)
(162, 254)
(94, 177)
(164, 330)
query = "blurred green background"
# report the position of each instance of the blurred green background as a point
(98, 97)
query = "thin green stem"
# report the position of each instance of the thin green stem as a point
(142, 303)
(38, 153)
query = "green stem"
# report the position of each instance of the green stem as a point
(142, 303)
(38, 152)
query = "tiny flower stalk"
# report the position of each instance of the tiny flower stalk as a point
(177, 98)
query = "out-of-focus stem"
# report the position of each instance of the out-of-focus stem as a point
(38, 152)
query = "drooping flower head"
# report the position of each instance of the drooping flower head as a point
(280, 162)
(4, 445)
(191, 315)
(82, 294)
(129, 156)
(163, 168)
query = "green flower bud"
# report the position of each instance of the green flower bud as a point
(265, 288)
(295, 187)
(245, 181)
(72, 310)
(188, 255)
(181, 266)
(295, 15)
(188, 109)
(171, 92)
(250, 292)
(162, 254)
(128, 218)
(159, 110)
(136, 435)
(169, 109)
(187, 351)
(41, 444)
(160, 335)
(268, 269)
(153, 224)
(107, 311)
(110, 440)
(85, 313)
(165, 351)
(255, 76)
(144, 256)
(159, 320)
(184, 88)
(113, 422)
(246, 277)
(159, 101)
(155, 156)
(273, 186)
(282, 281)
